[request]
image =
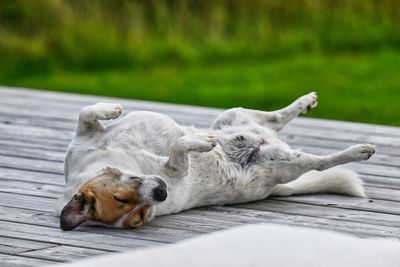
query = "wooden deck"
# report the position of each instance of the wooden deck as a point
(36, 127)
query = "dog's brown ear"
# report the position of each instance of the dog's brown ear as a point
(74, 213)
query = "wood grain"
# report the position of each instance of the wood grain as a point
(37, 126)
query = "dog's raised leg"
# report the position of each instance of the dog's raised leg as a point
(275, 120)
(177, 165)
(90, 116)
(288, 165)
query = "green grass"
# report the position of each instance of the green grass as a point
(259, 54)
(352, 87)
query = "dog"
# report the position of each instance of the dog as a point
(143, 165)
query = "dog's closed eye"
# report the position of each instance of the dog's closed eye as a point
(124, 201)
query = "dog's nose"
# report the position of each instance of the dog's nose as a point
(161, 182)
(160, 193)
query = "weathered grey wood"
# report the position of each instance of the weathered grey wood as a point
(29, 144)
(26, 152)
(14, 260)
(73, 101)
(328, 126)
(280, 212)
(217, 218)
(78, 239)
(31, 176)
(48, 219)
(32, 189)
(37, 126)
(62, 253)
(15, 246)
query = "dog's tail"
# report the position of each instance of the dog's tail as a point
(334, 180)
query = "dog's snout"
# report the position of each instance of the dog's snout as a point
(161, 182)
(160, 193)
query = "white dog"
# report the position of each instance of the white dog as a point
(145, 164)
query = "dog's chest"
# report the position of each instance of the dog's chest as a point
(142, 135)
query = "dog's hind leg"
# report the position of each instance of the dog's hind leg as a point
(90, 116)
(177, 165)
(287, 165)
(275, 120)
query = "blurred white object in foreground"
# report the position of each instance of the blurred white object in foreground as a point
(261, 245)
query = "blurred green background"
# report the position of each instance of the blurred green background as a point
(258, 54)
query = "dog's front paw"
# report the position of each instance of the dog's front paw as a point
(205, 143)
(361, 152)
(307, 102)
(148, 215)
(198, 143)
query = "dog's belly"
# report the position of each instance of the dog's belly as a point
(149, 131)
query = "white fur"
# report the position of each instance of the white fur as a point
(239, 159)
(334, 180)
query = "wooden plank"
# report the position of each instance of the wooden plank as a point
(305, 140)
(27, 201)
(216, 218)
(18, 119)
(31, 176)
(207, 221)
(379, 206)
(25, 132)
(347, 126)
(374, 220)
(25, 144)
(13, 260)
(70, 100)
(32, 153)
(62, 253)
(383, 198)
(327, 212)
(79, 239)
(14, 246)
(383, 182)
(48, 219)
(42, 250)
(75, 101)
(33, 141)
(256, 216)
(31, 189)
(32, 164)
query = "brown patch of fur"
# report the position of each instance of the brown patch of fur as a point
(136, 218)
(99, 193)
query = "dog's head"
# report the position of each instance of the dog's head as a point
(116, 199)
